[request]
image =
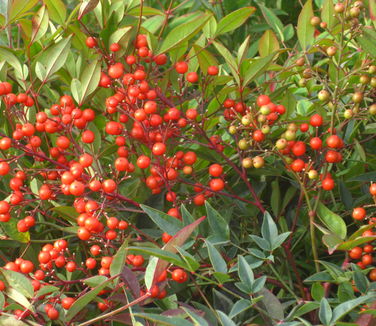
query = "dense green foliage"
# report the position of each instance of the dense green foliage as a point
(187, 162)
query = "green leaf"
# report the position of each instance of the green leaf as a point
(268, 43)
(317, 291)
(273, 21)
(67, 212)
(54, 57)
(367, 40)
(87, 6)
(344, 308)
(205, 58)
(361, 282)
(257, 67)
(40, 24)
(9, 57)
(304, 29)
(225, 320)
(333, 222)
(165, 222)
(18, 282)
(216, 259)
(217, 223)
(245, 272)
(243, 49)
(239, 307)
(234, 20)
(210, 27)
(76, 89)
(325, 312)
(57, 10)
(271, 304)
(18, 297)
(328, 14)
(119, 258)
(83, 301)
(164, 320)
(269, 229)
(183, 33)
(10, 229)
(230, 60)
(18, 8)
(198, 320)
(47, 289)
(90, 80)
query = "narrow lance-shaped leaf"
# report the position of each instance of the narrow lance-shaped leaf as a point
(304, 29)
(57, 10)
(183, 33)
(87, 6)
(90, 80)
(82, 302)
(327, 13)
(39, 24)
(245, 272)
(273, 21)
(54, 58)
(234, 20)
(176, 241)
(230, 60)
(18, 8)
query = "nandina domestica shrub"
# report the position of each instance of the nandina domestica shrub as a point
(187, 163)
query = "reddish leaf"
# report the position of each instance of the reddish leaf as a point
(176, 241)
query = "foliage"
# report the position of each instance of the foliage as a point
(187, 162)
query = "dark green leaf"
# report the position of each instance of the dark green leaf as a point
(216, 259)
(332, 221)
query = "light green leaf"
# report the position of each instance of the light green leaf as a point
(257, 67)
(18, 8)
(328, 14)
(268, 43)
(54, 57)
(18, 282)
(40, 24)
(164, 221)
(230, 60)
(9, 57)
(76, 89)
(304, 29)
(57, 10)
(245, 272)
(234, 20)
(333, 222)
(183, 33)
(89, 80)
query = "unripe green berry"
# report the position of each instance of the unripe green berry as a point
(243, 144)
(281, 144)
(348, 114)
(312, 174)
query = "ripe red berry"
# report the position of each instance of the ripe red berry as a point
(359, 213)
(213, 70)
(316, 120)
(263, 100)
(179, 275)
(192, 77)
(91, 42)
(181, 67)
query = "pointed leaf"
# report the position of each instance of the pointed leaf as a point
(325, 312)
(87, 6)
(54, 57)
(304, 29)
(176, 241)
(328, 14)
(164, 221)
(268, 43)
(257, 67)
(273, 21)
(216, 259)
(118, 260)
(90, 80)
(56, 10)
(18, 8)
(333, 222)
(234, 20)
(40, 24)
(245, 272)
(183, 33)
(217, 223)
